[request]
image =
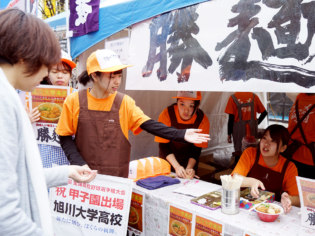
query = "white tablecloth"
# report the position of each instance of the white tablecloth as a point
(156, 214)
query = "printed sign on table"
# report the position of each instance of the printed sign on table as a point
(98, 208)
(180, 222)
(250, 234)
(206, 227)
(135, 223)
(49, 101)
(307, 198)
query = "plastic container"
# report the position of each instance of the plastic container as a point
(230, 201)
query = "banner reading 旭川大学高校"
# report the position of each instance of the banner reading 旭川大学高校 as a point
(97, 208)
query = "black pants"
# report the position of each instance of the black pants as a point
(304, 170)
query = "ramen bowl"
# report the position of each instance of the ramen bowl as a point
(179, 228)
(50, 111)
(310, 200)
(133, 216)
(268, 212)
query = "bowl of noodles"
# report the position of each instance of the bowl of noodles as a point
(50, 111)
(268, 212)
(179, 228)
(133, 216)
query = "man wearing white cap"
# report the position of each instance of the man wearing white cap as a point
(100, 118)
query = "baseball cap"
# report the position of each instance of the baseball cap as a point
(191, 95)
(67, 59)
(148, 167)
(104, 60)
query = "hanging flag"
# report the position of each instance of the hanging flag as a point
(84, 16)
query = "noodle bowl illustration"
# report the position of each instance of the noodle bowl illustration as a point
(311, 198)
(50, 111)
(203, 234)
(178, 228)
(133, 216)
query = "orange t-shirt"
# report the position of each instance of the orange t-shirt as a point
(247, 161)
(303, 154)
(130, 115)
(165, 119)
(244, 97)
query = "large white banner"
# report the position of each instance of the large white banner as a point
(226, 45)
(98, 208)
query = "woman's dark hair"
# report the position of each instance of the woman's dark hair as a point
(45, 81)
(278, 133)
(26, 38)
(84, 78)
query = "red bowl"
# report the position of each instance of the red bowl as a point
(268, 217)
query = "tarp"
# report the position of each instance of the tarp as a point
(116, 15)
(57, 21)
(4, 3)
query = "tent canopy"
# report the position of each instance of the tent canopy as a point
(115, 16)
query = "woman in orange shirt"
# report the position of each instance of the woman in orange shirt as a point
(100, 118)
(183, 157)
(265, 168)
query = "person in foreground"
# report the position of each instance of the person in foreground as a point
(24, 62)
(185, 113)
(265, 168)
(100, 118)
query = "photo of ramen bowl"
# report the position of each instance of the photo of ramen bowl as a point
(311, 199)
(133, 216)
(50, 111)
(268, 212)
(179, 228)
(203, 234)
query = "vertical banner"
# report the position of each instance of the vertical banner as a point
(49, 8)
(206, 227)
(49, 101)
(84, 17)
(98, 208)
(179, 222)
(136, 222)
(307, 198)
